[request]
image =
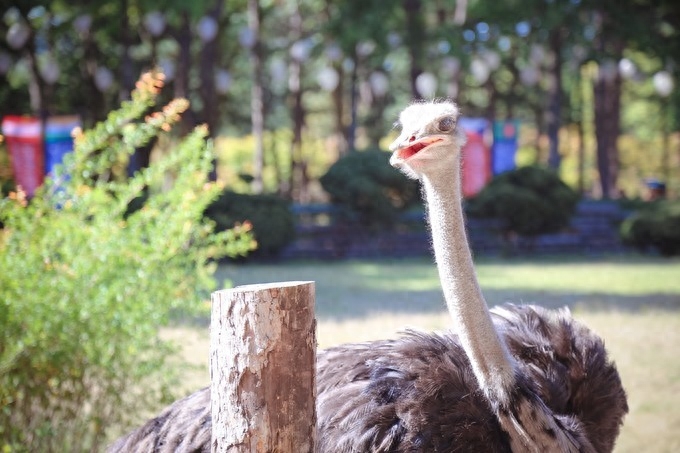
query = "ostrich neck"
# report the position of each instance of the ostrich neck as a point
(491, 363)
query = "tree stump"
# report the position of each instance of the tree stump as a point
(262, 368)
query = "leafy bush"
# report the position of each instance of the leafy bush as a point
(85, 284)
(529, 201)
(368, 188)
(656, 225)
(270, 216)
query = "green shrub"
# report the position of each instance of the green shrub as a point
(368, 189)
(85, 284)
(270, 216)
(656, 225)
(529, 201)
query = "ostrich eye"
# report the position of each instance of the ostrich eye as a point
(446, 124)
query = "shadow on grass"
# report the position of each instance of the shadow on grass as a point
(348, 291)
(369, 303)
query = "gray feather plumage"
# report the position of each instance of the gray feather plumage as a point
(417, 393)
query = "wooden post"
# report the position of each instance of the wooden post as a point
(262, 368)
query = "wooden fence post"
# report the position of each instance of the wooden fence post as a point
(263, 368)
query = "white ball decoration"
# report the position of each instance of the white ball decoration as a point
(379, 82)
(492, 59)
(480, 70)
(328, 79)
(168, 67)
(246, 37)
(49, 69)
(300, 50)
(103, 79)
(154, 22)
(365, 48)
(450, 66)
(426, 84)
(222, 81)
(18, 34)
(82, 24)
(529, 76)
(333, 52)
(663, 83)
(207, 28)
(627, 68)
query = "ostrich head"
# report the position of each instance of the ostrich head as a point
(430, 138)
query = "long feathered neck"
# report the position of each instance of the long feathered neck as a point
(491, 363)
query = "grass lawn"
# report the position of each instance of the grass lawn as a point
(632, 302)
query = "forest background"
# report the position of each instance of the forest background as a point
(288, 87)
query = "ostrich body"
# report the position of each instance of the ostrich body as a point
(516, 378)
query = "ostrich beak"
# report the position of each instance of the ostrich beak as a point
(405, 149)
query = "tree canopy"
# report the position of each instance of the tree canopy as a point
(336, 72)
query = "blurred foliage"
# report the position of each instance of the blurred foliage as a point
(655, 225)
(529, 201)
(480, 55)
(235, 159)
(86, 283)
(368, 188)
(273, 224)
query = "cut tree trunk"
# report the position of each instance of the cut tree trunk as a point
(262, 367)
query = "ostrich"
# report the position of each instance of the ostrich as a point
(514, 378)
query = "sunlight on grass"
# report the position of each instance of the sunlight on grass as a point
(632, 302)
(644, 346)
(599, 276)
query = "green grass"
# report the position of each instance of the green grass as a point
(632, 302)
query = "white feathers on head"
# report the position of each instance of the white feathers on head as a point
(420, 114)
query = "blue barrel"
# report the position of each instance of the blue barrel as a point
(58, 140)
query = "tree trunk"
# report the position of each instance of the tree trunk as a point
(581, 157)
(341, 131)
(338, 95)
(353, 105)
(95, 110)
(607, 128)
(36, 86)
(539, 121)
(607, 106)
(415, 35)
(127, 76)
(553, 120)
(210, 52)
(257, 96)
(262, 368)
(297, 113)
(183, 36)
(209, 56)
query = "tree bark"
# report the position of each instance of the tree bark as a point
(338, 95)
(553, 120)
(262, 367)
(353, 105)
(607, 100)
(257, 96)
(127, 76)
(607, 129)
(415, 35)
(209, 56)
(341, 132)
(298, 186)
(183, 36)
(210, 52)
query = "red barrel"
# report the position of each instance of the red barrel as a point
(23, 136)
